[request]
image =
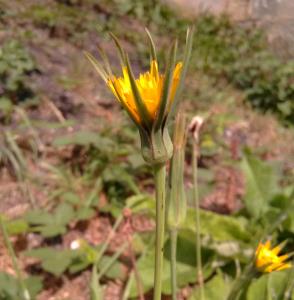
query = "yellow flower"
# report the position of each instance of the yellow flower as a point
(149, 85)
(267, 259)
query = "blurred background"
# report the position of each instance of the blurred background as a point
(70, 160)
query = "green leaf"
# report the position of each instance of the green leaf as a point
(141, 204)
(50, 225)
(186, 274)
(261, 184)
(215, 289)
(34, 285)
(219, 227)
(10, 288)
(53, 261)
(63, 214)
(271, 286)
(17, 226)
(84, 213)
(116, 269)
(37, 217)
(71, 197)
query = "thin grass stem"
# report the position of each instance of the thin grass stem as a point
(198, 225)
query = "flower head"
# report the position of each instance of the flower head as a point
(151, 98)
(268, 260)
(149, 85)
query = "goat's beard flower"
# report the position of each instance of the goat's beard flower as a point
(149, 84)
(268, 260)
(150, 99)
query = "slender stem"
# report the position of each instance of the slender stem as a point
(109, 238)
(136, 273)
(173, 265)
(197, 211)
(25, 292)
(242, 283)
(111, 261)
(160, 176)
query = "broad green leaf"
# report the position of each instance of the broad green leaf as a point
(219, 227)
(53, 261)
(51, 230)
(38, 217)
(271, 286)
(63, 214)
(261, 184)
(215, 289)
(50, 225)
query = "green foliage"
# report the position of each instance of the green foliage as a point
(56, 261)
(216, 289)
(10, 288)
(53, 261)
(261, 184)
(240, 54)
(272, 286)
(63, 20)
(145, 267)
(16, 64)
(111, 160)
(50, 225)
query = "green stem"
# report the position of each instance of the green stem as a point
(160, 176)
(197, 211)
(111, 261)
(242, 283)
(173, 265)
(109, 238)
(25, 292)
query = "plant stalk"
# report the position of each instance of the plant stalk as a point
(160, 177)
(173, 265)
(242, 283)
(197, 211)
(25, 292)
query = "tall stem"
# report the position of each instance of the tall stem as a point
(159, 176)
(173, 248)
(25, 292)
(197, 208)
